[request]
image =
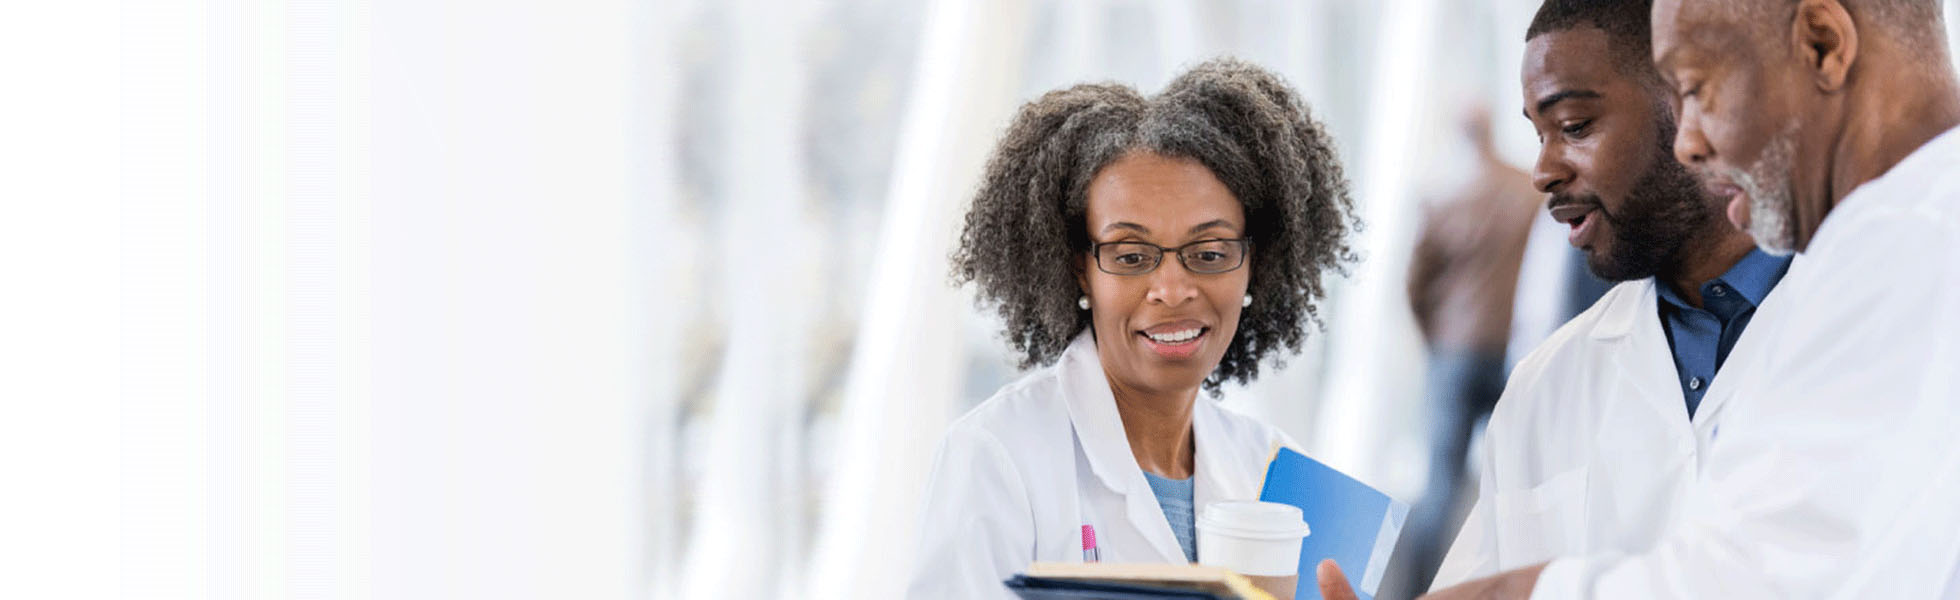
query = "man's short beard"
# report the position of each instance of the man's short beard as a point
(1772, 210)
(1664, 210)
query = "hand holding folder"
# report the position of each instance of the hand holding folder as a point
(1333, 584)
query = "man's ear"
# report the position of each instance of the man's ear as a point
(1827, 39)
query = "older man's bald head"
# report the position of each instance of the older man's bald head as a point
(1798, 101)
(1912, 22)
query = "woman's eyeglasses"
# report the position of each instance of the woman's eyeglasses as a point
(1206, 257)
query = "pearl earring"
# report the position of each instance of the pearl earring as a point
(1082, 302)
(1247, 301)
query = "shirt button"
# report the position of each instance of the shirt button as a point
(1694, 383)
(1719, 290)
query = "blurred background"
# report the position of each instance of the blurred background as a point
(621, 299)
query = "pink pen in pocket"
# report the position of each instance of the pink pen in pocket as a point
(1089, 552)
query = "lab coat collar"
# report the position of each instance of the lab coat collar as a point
(1092, 411)
(1623, 312)
(1220, 471)
(1633, 319)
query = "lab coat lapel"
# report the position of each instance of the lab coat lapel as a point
(1643, 357)
(1746, 355)
(1092, 411)
(1219, 477)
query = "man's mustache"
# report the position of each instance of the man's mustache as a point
(1558, 200)
(1589, 201)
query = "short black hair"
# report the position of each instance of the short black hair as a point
(1627, 24)
(1028, 222)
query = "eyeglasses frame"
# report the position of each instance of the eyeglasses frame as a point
(1245, 249)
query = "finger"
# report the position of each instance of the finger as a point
(1333, 584)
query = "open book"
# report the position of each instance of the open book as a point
(1050, 581)
(1354, 524)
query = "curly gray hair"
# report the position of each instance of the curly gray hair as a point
(1028, 223)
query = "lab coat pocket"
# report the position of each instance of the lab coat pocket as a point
(1542, 522)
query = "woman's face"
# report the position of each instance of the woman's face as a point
(1144, 324)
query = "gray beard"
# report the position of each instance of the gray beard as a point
(1772, 210)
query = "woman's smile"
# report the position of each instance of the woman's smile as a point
(1176, 340)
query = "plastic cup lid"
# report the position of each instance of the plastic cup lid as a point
(1251, 518)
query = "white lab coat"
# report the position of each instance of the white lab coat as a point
(1589, 449)
(1017, 478)
(1836, 471)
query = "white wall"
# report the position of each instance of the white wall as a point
(382, 311)
(357, 299)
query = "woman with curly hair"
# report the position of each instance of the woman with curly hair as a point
(1139, 249)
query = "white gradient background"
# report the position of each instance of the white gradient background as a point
(603, 299)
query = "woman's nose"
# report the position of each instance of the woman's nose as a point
(1171, 284)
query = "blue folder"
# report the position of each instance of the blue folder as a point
(1352, 523)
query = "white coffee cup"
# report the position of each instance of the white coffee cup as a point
(1251, 537)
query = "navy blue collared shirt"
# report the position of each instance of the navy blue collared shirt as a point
(1701, 338)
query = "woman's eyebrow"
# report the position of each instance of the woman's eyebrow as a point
(1141, 229)
(1214, 223)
